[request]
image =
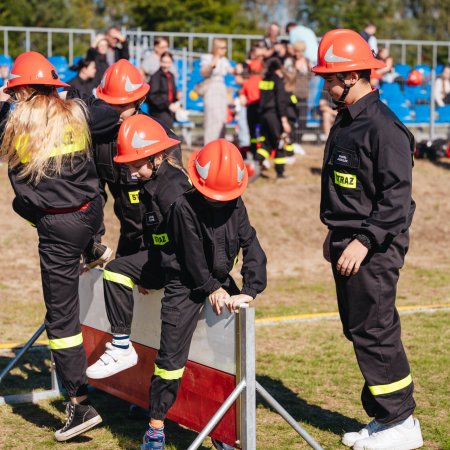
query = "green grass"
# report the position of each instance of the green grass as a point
(310, 369)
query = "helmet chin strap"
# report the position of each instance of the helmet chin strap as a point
(340, 102)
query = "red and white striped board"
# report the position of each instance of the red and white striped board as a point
(210, 374)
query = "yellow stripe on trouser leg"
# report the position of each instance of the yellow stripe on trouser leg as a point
(168, 374)
(67, 342)
(391, 387)
(263, 152)
(118, 278)
(281, 160)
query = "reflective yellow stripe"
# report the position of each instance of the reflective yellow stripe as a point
(134, 196)
(391, 387)
(266, 85)
(72, 145)
(160, 239)
(67, 342)
(235, 260)
(279, 160)
(289, 147)
(118, 278)
(263, 152)
(31, 223)
(253, 140)
(294, 99)
(168, 374)
(346, 180)
(262, 139)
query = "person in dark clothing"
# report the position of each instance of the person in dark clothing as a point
(117, 45)
(162, 98)
(124, 89)
(84, 82)
(207, 227)
(98, 53)
(53, 175)
(151, 159)
(367, 206)
(273, 117)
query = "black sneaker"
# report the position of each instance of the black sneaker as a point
(80, 418)
(220, 445)
(96, 254)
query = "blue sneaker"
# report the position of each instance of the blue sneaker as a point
(154, 439)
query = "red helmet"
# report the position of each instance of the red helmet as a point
(344, 50)
(33, 68)
(122, 83)
(415, 78)
(218, 171)
(141, 137)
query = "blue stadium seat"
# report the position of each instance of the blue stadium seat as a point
(424, 69)
(6, 61)
(402, 69)
(439, 69)
(403, 113)
(60, 62)
(67, 75)
(418, 94)
(444, 114)
(422, 113)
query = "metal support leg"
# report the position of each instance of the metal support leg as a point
(31, 397)
(22, 352)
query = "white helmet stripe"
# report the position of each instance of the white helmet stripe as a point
(330, 57)
(203, 171)
(138, 142)
(240, 173)
(13, 75)
(130, 87)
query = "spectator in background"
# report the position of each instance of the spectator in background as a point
(117, 46)
(386, 74)
(250, 98)
(282, 52)
(162, 97)
(442, 88)
(297, 79)
(5, 64)
(98, 53)
(151, 61)
(270, 40)
(369, 36)
(301, 33)
(214, 67)
(85, 78)
(327, 112)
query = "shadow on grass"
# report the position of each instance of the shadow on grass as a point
(304, 412)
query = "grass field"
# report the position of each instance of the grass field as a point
(309, 366)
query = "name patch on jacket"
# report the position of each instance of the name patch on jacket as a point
(151, 219)
(134, 196)
(160, 239)
(345, 180)
(345, 158)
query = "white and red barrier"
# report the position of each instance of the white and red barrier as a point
(210, 374)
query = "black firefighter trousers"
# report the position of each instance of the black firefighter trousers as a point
(371, 322)
(179, 316)
(62, 240)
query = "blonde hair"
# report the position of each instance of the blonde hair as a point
(43, 132)
(300, 46)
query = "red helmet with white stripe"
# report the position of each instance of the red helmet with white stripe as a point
(140, 137)
(218, 171)
(344, 50)
(122, 83)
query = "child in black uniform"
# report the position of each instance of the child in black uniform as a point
(151, 157)
(46, 141)
(207, 228)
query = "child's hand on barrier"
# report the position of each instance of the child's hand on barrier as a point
(142, 290)
(217, 300)
(233, 302)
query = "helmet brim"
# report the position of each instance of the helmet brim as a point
(348, 67)
(137, 95)
(146, 152)
(18, 82)
(213, 194)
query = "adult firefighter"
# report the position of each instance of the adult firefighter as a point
(367, 206)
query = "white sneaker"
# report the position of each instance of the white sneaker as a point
(350, 438)
(298, 149)
(114, 360)
(395, 437)
(266, 164)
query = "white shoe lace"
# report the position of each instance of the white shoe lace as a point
(70, 411)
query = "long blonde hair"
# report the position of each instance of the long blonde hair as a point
(43, 132)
